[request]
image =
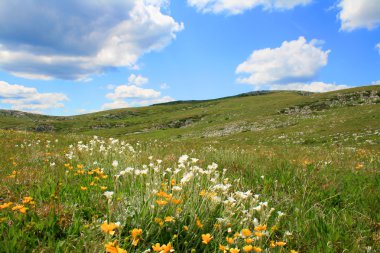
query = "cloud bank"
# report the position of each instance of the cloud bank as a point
(72, 39)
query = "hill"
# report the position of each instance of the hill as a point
(344, 116)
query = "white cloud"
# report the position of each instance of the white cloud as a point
(376, 82)
(135, 95)
(238, 6)
(29, 99)
(73, 39)
(313, 87)
(137, 80)
(132, 91)
(356, 14)
(378, 47)
(295, 61)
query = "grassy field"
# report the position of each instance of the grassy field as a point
(276, 172)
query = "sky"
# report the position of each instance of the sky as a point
(74, 57)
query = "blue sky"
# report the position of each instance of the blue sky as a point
(66, 58)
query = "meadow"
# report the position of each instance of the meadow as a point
(251, 174)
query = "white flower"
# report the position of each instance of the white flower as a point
(176, 188)
(108, 194)
(183, 158)
(115, 163)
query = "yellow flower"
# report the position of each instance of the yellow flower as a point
(186, 228)
(202, 193)
(166, 248)
(261, 228)
(135, 242)
(176, 201)
(136, 232)
(234, 250)
(20, 208)
(6, 205)
(112, 247)
(169, 219)
(80, 166)
(246, 232)
(249, 240)
(247, 248)
(26, 200)
(258, 234)
(257, 249)
(103, 188)
(161, 202)
(206, 238)
(108, 228)
(280, 244)
(199, 223)
(272, 244)
(223, 248)
(157, 247)
(293, 251)
(83, 188)
(230, 240)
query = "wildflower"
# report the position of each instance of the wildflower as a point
(136, 233)
(186, 228)
(28, 200)
(261, 227)
(234, 250)
(230, 240)
(202, 193)
(206, 238)
(83, 188)
(79, 166)
(6, 205)
(109, 228)
(166, 248)
(199, 223)
(257, 249)
(248, 240)
(115, 163)
(108, 194)
(293, 251)
(161, 202)
(222, 247)
(112, 247)
(272, 244)
(246, 232)
(258, 234)
(247, 248)
(169, 219)
(103, 188)
(176, 201)
(280, 244)
(20, 208)
(157, 247)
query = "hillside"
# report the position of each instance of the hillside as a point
(338, 117)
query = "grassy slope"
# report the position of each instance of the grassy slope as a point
(308, 161)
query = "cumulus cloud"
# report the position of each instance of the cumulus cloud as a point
(132, 91)
(135, 95)
(73, 39)
(234, 7)
(356, 14)
(313, 87)
(292, 62)
(29, 99)
(137, 80)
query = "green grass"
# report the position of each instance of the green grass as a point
(321, 169)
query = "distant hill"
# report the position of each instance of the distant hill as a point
(258, 117)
